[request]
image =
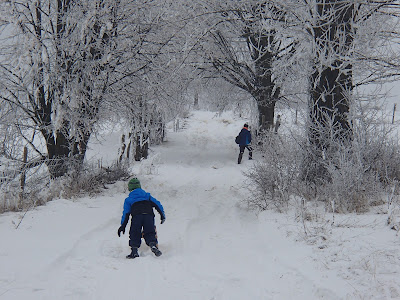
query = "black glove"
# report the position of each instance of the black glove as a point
(162, 220)
(121, 229)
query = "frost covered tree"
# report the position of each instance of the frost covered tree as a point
(67, 63)
(331, 81)
(149, 89)
(347, 155)
(55, 69)
(251, 40)
(348, 50)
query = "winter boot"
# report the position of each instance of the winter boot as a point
(155, 249)
(240, 158)
(134, 253)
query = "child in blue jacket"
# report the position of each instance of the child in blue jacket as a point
(244, 142)
(140, 205)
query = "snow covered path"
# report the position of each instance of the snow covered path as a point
(212, 247)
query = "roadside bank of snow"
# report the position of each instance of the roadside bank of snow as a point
(213, 247)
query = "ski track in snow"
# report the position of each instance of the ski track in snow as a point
(213, 248)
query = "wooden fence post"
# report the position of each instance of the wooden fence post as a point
(394, 110)
(196, 100)
(23, 177)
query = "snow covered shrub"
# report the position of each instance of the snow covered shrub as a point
(273, 177)
(350, 173)
(9, 201)
(357, 174)
(382, 156)
(346, 175)
(351, 183)
(15, 200)
(378, 140)
(91, 180)
(393, 203)
(341, 178)
(20, 193)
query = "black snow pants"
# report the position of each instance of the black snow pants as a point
(241, 148)
(145, 221)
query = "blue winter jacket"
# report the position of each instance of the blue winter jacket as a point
(139, 202)
(244, 137)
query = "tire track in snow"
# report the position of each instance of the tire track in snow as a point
(217, 248)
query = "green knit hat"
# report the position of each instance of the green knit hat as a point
(134, 183)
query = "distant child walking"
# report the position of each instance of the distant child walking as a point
(139, 205)
(244, 142)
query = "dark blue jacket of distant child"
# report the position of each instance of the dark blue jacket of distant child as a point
(140, 202)
(244, 137)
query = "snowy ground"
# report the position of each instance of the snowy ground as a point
(213, 248)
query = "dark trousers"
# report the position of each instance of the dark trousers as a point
(241, 148)
(145, 221)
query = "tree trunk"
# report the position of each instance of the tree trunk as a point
(255, 78)
(265, 92)
(266, 112)
(330, 106)
(57, 143)
(331, 84)
(142, 146)
(58, 150)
